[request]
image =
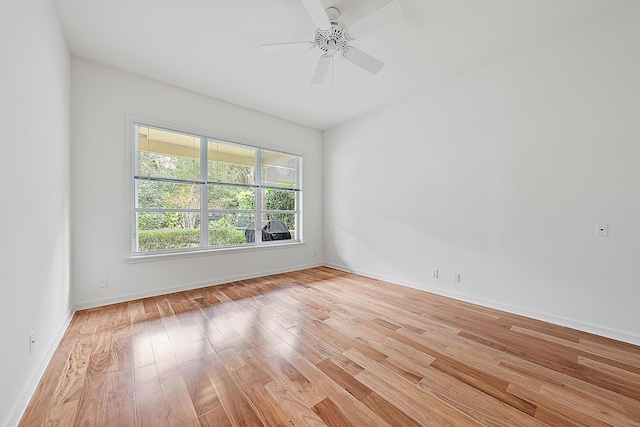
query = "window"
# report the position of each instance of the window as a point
(193, 192)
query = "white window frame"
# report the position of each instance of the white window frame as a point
(134, 123)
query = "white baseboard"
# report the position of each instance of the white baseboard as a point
(27, 393)
(187, 286)
(604, 331)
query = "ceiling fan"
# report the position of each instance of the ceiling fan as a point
(332, 36)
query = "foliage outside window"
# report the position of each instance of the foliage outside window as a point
(195, 192)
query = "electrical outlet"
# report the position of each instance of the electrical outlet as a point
(456, 278)
(602, 230)
(434, 274)
(32, 341)
(103, 282)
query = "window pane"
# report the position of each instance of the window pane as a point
(281, 200)
(167, 154)
(230, 163)
(228, 229)
(276, 226)
(279, 169)
(231, 197)
(166, 195)
(168, 230)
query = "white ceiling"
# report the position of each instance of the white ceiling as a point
(213, 46)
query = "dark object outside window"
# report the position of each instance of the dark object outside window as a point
(271, 230)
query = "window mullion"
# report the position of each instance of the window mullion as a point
(298, 200)
(258, 178)
(134, 189)
(169, 180)
(204, 191)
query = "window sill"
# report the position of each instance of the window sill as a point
(135, 259)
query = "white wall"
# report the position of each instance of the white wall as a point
(501, 175)
(34, 195)
(101, 97)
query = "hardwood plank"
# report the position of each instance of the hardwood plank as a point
(120, 398)
(555, 418)
(149, 402)
(614, 350)
(595, 410)
(249, 380)
(121, 384)
(190, 328)
(150, 308)
(548, 404)
(178, 403)
(612, 371)
(406, 357)
(61, 416)
(201, 392)
(69, 385)
(165, 361)
(299, 414)
(260, 369)
(142, 348)
(304, 390)
(206, 354)
(179, 342)
(235, 403)
(386, 324)
(412, 378)
(344, 379)
(330, 413)
(215, 418)
(231, 360)
(387, 412)
(164, 308)
(92, 405)
(157, 333)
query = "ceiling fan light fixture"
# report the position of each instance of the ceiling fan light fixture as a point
(331, 47)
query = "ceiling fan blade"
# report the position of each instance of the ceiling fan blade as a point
(363, 60)
(321, 69)
(317, 13)
(286, 47)
(382, 17)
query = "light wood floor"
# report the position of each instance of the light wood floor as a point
(322, 347)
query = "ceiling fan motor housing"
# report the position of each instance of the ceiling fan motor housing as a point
(334, 39)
